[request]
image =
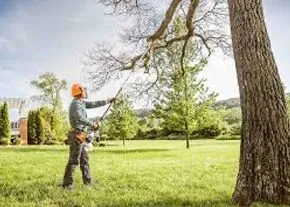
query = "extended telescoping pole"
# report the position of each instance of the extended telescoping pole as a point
(120, 90)
(117, 94)
(122, 86)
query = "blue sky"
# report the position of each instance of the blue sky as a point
(52, 35)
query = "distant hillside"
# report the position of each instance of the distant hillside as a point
(228, 103)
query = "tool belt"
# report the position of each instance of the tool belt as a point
(80, 135)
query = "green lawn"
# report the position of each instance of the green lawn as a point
(144, 173)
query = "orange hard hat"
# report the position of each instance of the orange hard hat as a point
(77, 89)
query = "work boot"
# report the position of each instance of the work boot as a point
(67, 187)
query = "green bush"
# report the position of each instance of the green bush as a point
(5, 141)
(235, 129)
(104, 137)
(228, 137)
(16, 141)
(209, 131)
(46, 126)
(233, 115)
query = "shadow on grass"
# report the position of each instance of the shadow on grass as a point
(66, 149)
(34, 149)
(127, 151)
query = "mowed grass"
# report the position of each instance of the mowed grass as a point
(143, 173)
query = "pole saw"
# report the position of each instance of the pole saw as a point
(124, 83)
(91, 135)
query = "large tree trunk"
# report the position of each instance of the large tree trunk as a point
(264, 154)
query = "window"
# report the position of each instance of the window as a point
(14, 125)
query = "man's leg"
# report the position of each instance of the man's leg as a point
(85, 168)
(73, 161)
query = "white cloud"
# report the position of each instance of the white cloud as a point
(3, 41)
(221, 76)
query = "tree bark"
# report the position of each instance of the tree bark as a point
(187, 142)
(264, 153)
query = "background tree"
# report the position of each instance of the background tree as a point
(50, 87)
(5, 121)
(186, 107)
(55, 119)
(150, 35)
(32, 128)
(39, 123)
(264, 157)
(41, 129)
(5, 128)
(183, 102)
(233, 118)
(55, 124)
(122, 122)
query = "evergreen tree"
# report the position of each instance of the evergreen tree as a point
(6, 121)
(1, 122)
(54, 119)
(39, 123)
(184, 97)
(55, 125)
(5, 128)
(32, 128)
(122, 122)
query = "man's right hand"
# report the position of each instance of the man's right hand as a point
(96, 125)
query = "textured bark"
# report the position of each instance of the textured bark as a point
(264, 154)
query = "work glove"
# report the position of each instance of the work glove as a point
(96, 126)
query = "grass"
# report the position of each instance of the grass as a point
(143, 173)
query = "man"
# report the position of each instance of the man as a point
(77, 136)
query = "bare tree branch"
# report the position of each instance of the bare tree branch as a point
(126, 7)
(167, 19)
(204, 23)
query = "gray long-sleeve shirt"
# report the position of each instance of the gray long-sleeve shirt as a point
(78, 114)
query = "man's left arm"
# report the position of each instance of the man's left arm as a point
(96, 104)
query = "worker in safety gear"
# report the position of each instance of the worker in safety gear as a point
(77, 135)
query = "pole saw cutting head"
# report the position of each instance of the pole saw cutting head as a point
(91, 135)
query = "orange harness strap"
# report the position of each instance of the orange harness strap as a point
(81, 136)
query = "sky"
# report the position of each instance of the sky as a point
(37, 36)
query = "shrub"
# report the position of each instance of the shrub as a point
(16, 141)
(235, 129)
(209, 131)
(104, 137)
(5, 141)
(228, 137)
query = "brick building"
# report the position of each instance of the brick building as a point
(18, 117)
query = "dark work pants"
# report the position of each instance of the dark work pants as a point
(77, 155)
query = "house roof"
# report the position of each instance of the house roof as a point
(13, 102)
(15, 106)
(19, 108)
